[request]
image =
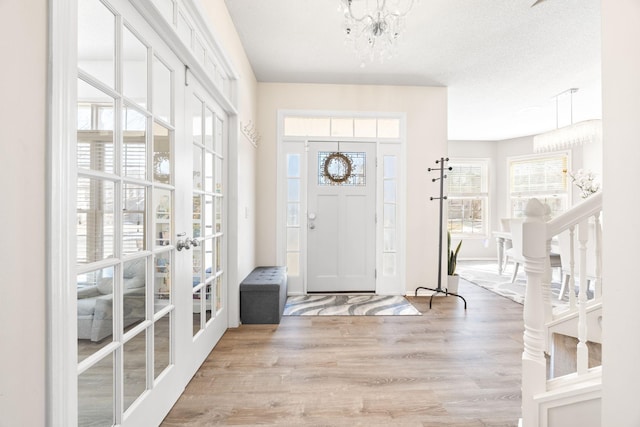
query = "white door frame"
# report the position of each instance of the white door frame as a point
(61, 188)
(388, 281)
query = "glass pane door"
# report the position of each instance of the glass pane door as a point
(208, 293)
(126, 217)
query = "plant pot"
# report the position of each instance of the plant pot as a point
(452, 284)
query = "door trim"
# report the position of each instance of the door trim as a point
(60, 250)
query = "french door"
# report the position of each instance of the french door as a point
(341, 212)
(207, 131)
(150, 220)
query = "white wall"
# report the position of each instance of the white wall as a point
(426, 109)
(621, 294)
(23, 43)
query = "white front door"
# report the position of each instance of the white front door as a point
(341, 217)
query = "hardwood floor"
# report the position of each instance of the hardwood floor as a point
(448, 367)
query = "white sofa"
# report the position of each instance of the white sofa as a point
(95, 303)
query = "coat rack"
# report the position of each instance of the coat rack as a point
(442, 198)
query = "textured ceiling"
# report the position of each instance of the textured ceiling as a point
(503, 61)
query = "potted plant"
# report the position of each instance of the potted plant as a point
(452, 277)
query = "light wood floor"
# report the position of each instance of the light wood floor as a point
(448, 367)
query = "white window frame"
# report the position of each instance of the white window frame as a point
(482, 195)
(563, 196)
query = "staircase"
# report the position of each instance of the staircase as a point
(561, 365)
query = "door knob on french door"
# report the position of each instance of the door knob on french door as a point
(186, 243)
(183, 244)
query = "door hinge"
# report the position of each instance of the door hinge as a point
(375, 273)
(186, 75)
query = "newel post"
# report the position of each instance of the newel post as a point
(534, 250)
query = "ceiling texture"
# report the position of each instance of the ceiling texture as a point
(504, 62)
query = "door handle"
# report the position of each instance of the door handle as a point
(312, 220)
(183, 244)
(186, 243)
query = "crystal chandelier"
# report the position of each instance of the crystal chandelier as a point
(588, 131)
(572, 135)
(372, 27)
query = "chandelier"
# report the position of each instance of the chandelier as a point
(372, 27)
(588, 131)
(572, 135)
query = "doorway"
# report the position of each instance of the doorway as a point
(341, 217)
(337, 233)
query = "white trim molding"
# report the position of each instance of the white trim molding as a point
(62, 324)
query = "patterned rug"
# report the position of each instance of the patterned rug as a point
(485, 274)
(349, 305)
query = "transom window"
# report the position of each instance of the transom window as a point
(347, 127)
(468, 197)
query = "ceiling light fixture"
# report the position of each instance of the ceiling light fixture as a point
(373, 27)
(569, 136)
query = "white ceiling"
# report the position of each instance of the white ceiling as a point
(503, 61)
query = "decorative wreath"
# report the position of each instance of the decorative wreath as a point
(345, 165)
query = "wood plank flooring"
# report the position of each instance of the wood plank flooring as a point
(448, 367)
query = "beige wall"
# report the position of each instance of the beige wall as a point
(426, 109)
(246, 153)
(23, 43)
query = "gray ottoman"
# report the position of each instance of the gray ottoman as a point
(263, 294)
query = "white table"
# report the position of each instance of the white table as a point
(502, 238)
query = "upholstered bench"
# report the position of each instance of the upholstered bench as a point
(263, 294)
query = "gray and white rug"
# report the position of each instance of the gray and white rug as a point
(485, 274)
(349, 305)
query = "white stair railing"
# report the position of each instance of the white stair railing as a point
(538, 237)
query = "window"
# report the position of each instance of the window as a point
(541, 177)
(468, 197)
(348, 127)
(355, 176)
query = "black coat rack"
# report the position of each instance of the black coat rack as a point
(442, 198)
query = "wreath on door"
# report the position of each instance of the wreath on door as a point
(337, 167)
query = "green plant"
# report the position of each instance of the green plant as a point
(453, 255)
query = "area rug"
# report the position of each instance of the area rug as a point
(485, 274)
(349, 305)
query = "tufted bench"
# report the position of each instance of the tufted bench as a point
(263, 294)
